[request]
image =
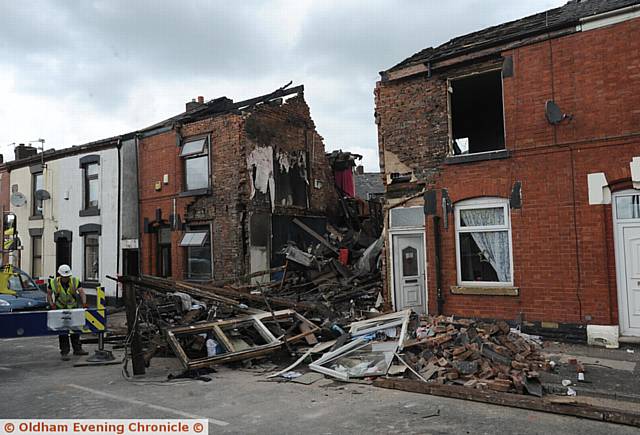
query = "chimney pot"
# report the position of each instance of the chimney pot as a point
(201, 99)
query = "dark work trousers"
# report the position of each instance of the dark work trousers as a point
(64, 343)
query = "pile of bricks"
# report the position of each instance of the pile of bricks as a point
(476, 355)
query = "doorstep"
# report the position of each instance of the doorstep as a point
(629, 339)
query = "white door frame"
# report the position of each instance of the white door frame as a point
(407, 232)
(618, 243)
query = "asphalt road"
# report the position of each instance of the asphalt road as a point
(34, 383)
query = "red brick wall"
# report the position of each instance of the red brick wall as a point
(287, 127)
(160, 155)
(564, 261)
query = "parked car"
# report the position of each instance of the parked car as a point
(28, 295)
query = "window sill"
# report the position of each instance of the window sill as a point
(90, 212)
(478, 157)
(485, 291)
(36, 218)
(195, 192)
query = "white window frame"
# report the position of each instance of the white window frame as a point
(203, 152)
(479, 203)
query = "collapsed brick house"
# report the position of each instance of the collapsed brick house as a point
(221, 183)
(511, 159)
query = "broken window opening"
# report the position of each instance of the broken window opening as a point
(483, 234)
(290, 173)
(477, 121)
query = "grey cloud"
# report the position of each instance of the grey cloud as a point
(100, 51)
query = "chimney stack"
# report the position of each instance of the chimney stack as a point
(22, 151)
(359, 169)
(194, 103)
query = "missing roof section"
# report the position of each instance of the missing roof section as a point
(477, 122)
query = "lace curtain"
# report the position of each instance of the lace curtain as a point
(493, 244)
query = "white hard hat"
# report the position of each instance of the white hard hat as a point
(64, 270)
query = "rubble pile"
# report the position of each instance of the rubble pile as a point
(204, 325)
(477, 355)
(340, 277)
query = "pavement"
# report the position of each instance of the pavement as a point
(609, 373)
(36, 384)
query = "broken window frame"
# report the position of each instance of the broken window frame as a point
(358, 330)
(478, 204)
(217, 329)
(201, 153)
(450, 81)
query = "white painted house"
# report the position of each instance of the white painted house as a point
(80, 209)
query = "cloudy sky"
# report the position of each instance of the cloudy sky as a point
(76, 71)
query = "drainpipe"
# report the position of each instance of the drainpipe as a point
(438, 256)
(118, 268)
(137, 144)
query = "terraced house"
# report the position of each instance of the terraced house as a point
(512, 172)
(222, 182)
(75, 206)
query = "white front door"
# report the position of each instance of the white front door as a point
(627, 220)
(408, 272)
(631, 240)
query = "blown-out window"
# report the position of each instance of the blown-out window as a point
(477, 123)
(483, 239)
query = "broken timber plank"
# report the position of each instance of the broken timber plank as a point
(513, 400)
(315, 235)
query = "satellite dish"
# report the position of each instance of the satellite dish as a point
(18, 199)
(42, 194)
(553, 113)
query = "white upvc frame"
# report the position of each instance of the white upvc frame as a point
(481, 203)
(406, 231)
(618, 242)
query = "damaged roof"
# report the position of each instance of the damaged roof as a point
(220, 106)
(368, 183)
(565, 16)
